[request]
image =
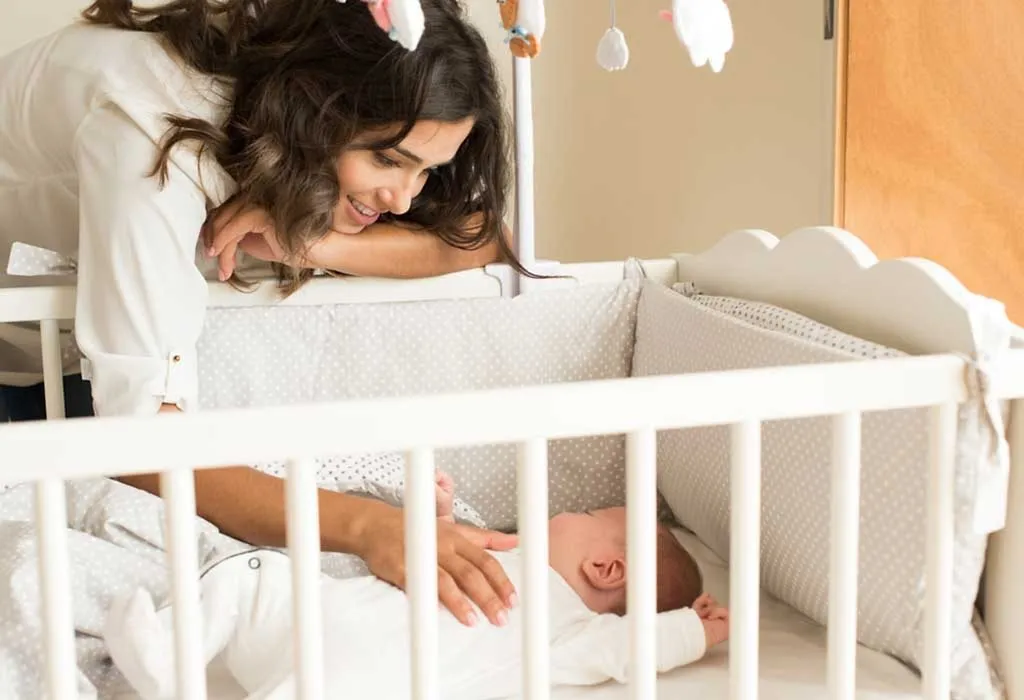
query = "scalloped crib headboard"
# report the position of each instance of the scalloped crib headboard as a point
(915, 305)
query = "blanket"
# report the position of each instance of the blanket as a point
(116, 545)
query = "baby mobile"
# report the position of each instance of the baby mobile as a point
(704, 27)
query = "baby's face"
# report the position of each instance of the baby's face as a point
(572, 536)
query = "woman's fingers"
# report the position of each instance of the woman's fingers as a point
(230, 222)
(494, 573)
(488, 539)
(454, 599)
(475, 586)
(228, 231)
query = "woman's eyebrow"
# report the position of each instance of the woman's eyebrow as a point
(415, 158)
(409, 154)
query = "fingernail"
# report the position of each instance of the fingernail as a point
(471, 619)
(502, 618)
(513, 600)
(209, 251)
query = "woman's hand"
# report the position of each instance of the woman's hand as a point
(465, 572)
(235, 228)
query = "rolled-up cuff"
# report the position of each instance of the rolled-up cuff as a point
(124, 385)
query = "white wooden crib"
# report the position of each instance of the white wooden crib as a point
(825, 274)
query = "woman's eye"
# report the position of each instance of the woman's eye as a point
(382, 159)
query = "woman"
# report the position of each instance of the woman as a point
(294, 129)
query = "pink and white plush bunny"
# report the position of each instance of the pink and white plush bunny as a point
(705, 28)
(401, 19)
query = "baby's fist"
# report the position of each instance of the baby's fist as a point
(714, 618)
(444, 492)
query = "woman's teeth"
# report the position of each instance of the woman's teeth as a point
(361, 208)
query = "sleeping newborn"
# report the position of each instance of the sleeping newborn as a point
(246, 605)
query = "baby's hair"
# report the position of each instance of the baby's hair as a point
(679, 579)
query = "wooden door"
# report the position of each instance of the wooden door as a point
(930, 147)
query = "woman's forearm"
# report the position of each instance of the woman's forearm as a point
(250, 506)
(386, 250)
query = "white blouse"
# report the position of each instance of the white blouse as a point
(81, 118)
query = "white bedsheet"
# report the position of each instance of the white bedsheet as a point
(792, 660)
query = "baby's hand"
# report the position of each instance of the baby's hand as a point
(714, 618)
(444, 491)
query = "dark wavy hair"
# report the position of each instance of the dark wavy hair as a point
(308, 76)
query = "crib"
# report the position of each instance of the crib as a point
(781, 646)
(824, 273)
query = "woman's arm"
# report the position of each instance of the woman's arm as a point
(381, 250)
(250, 506)
(388, 250)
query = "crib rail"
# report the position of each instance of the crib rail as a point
(530, 417)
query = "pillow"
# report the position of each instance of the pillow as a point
(676, 334)
(319, 353)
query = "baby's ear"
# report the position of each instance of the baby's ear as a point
(606, 573)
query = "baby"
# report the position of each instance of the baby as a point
(246, 605)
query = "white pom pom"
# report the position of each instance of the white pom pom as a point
(612, 52)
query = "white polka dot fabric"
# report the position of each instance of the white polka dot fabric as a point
(676, 334)
(372, 350)
(381, 476)
(116, 544)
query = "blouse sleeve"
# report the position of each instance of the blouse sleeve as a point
(141, 298)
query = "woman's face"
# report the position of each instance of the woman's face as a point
(377, 182)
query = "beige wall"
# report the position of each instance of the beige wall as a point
(24, 20)
(662, 157)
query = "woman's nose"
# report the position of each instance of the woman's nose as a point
(399, 196)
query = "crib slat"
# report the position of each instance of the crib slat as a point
(178, 491)
(54, 579)
(53, 370)
(303, 538)
(51, 526)
(421, 571)
(745, 559)
(939, 568)
(533, 540)
(641, 562)
(842, 608)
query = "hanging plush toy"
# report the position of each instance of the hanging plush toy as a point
(705, 28)
(401, 19)
(612, 51)
(524, 21)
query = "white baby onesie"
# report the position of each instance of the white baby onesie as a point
(246, 605)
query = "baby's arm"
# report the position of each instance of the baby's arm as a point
(444, 491)
(600, 650)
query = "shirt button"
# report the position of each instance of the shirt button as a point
(176, 359)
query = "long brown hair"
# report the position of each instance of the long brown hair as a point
(309, 75)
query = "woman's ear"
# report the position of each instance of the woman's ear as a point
(606, 573)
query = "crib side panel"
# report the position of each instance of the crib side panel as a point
(1004, 605)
